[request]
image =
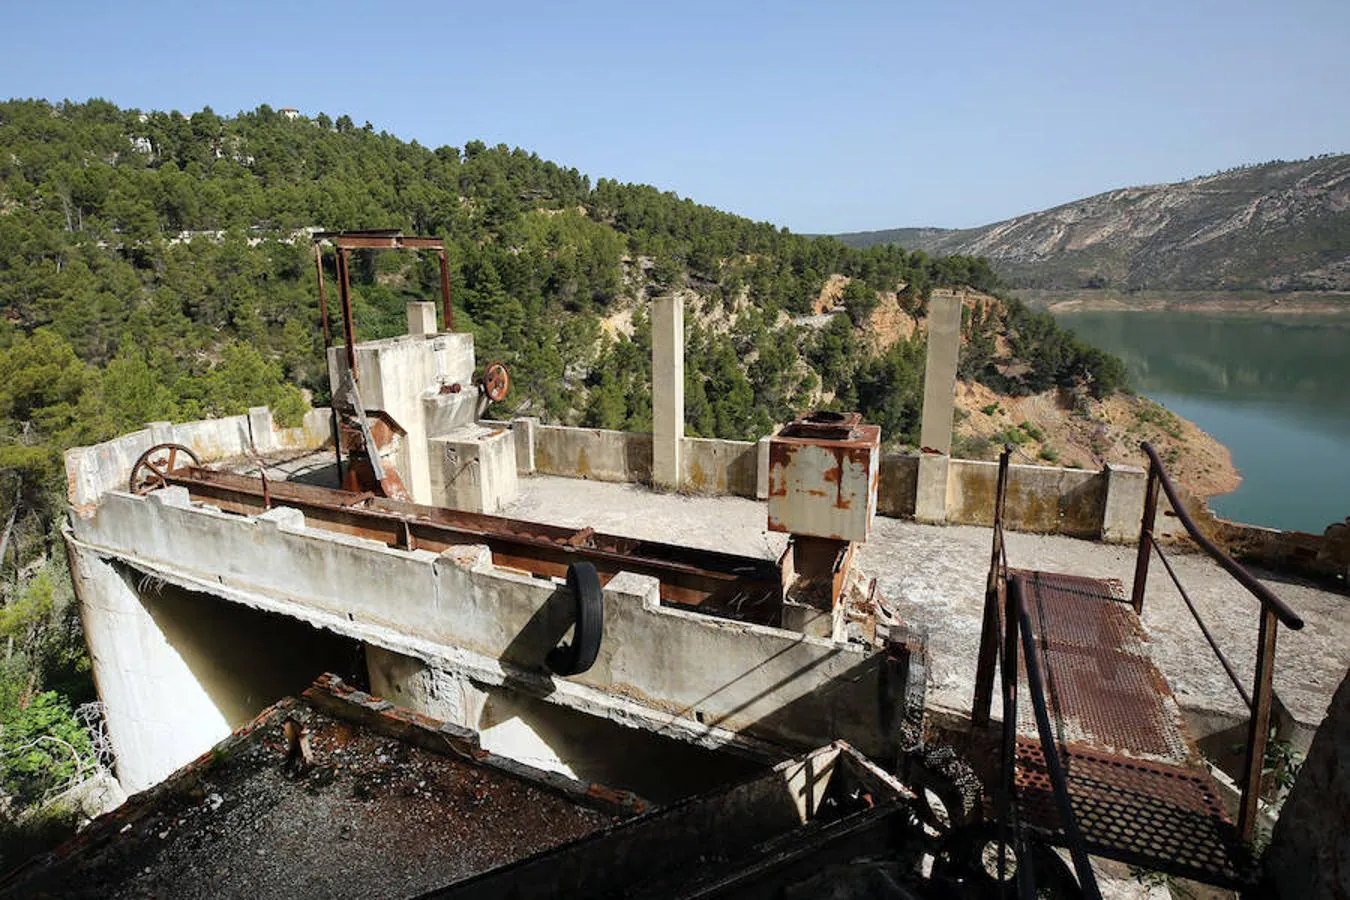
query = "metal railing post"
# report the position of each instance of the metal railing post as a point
(1258, 728)
(1145, 538)
(985, 663)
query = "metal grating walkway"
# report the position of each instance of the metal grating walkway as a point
(1140, 791)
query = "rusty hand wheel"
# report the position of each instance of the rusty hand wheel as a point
(496, 382)
(154, 465)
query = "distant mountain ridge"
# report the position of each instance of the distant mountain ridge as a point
(1278, 226)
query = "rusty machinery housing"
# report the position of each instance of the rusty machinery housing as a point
(823, 471)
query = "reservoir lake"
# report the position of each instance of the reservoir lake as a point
(1275, 391)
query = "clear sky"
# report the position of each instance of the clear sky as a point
(819, 116)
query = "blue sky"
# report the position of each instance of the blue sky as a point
(822, 117)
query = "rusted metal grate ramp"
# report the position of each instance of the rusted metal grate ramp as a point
(1139, 789)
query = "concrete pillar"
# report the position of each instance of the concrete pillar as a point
(260, 429)
(421, 318)
(939, 402)
(523, 428)
(667, 392)
(1123, 508)
(159, 715)
(762, 465)
(930, 490)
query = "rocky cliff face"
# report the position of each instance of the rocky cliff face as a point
(1275, 227)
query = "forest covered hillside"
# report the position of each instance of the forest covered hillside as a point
(156, 265)
(1279, 226)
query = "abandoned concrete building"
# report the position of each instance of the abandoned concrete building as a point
(713, 668)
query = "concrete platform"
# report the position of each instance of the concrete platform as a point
(933, 576)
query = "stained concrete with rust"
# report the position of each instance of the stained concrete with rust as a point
(933, 576)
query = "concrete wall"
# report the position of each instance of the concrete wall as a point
(90, 471)
(688, 675)
(721, 467)
(594, 453)
(1103, 505)
(1040, 498)
(181, 669)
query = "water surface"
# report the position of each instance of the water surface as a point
(1274, 391)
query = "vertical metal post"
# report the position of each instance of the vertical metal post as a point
(1145, 539)
(985, 664)
(348, 327)
(323, 300)
(1012, 602)
(1258, 728)
(449, 314)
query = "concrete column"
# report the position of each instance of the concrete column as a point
(260, 429)
(667, 392)
(159, 715)
(1123, 508)
(421, 318)
(523, 428)
(939, 402)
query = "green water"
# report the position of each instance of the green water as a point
(1274, 391)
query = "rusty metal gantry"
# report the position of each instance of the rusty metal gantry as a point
(391, 239)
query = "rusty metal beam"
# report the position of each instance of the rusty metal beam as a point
(733, 586)
(348, 325)
(448, 310)
(394, 242)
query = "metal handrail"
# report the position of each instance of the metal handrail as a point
(1262, 593)
(1055, 768)
(1273, 612)
(992, 626)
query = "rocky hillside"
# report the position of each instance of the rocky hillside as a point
(1280, 226)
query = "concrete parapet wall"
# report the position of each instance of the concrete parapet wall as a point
(1040, 498)
(594, 453)
(92, 471)
(721, 467)
(898, 485)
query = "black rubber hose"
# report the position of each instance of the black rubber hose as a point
(589, 628)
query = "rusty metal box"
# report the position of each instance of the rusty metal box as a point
(823, 477)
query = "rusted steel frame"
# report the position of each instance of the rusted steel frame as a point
(1204, 629)
(381, 242)
(1258, 727)
(323, 298)
(448, 310)
(1146, 525)
(327, 342)
(1087, 881)
(348, 326)
(541, 550)
(1007, 807)
(1287, 616)
(989, 631)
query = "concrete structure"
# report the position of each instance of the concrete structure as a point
(668, 392)
(423, 385)
(461, 632)
(939, 402)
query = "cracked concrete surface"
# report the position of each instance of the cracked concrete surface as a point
(933, 576)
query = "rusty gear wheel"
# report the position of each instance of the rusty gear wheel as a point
(152, 468)
(496, 382)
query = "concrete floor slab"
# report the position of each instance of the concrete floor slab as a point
(934, 576)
